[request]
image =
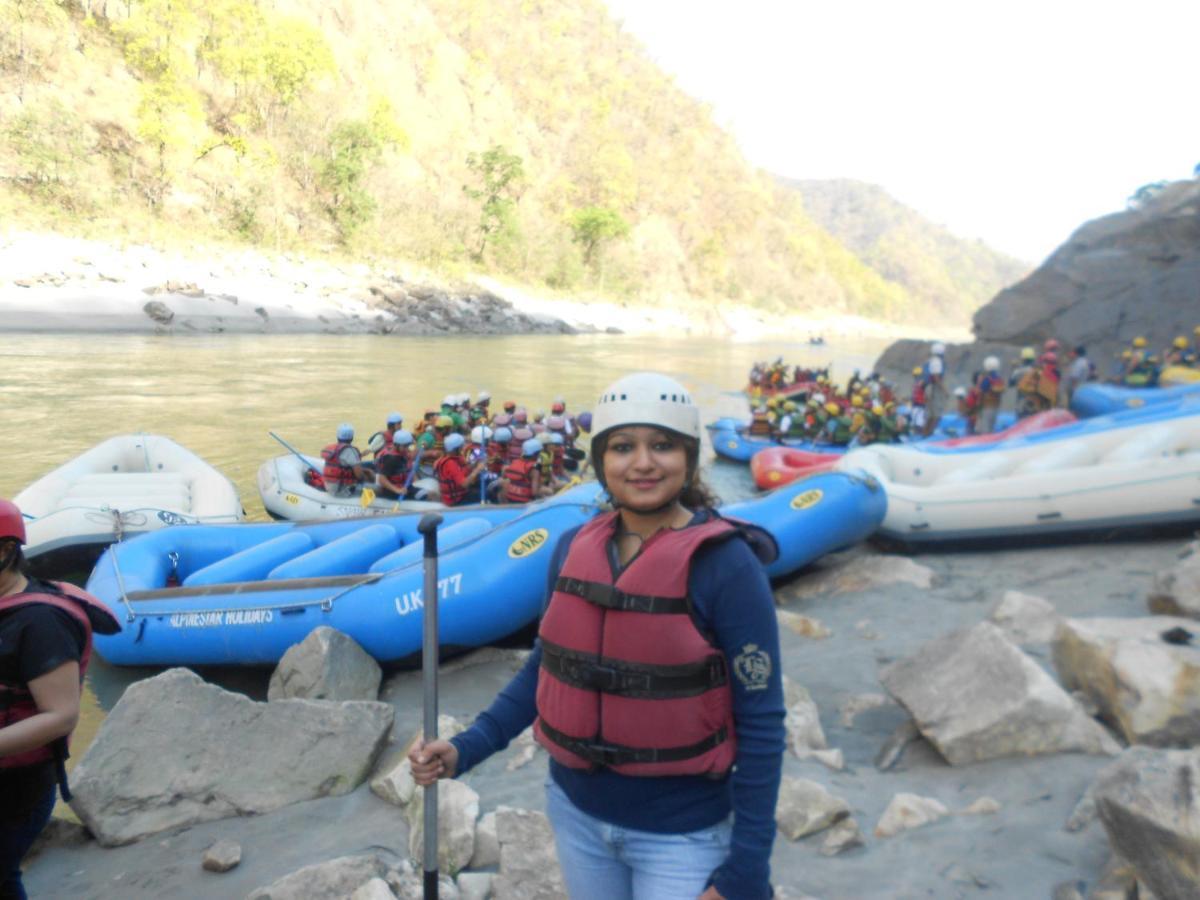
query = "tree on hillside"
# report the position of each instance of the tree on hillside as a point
(499, 179)
(593, 226)
(354, 147)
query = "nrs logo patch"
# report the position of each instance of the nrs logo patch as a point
(753, 668)
(528, 543)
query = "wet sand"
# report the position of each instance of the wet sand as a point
(1022, 851)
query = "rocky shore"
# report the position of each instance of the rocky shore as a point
(63, 284)
(1022, 723)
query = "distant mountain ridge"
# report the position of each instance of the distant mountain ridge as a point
(957, 276)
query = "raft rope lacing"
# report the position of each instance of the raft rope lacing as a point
(325, 603)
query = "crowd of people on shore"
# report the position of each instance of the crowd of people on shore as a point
(475, 453)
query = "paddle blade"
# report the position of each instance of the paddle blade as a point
(367, 498)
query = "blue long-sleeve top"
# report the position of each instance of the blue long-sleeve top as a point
(734, 606)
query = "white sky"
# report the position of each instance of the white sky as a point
(1010, 121)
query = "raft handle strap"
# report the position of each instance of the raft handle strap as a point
(608, 597)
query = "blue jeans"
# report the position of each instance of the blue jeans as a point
(15, 840)
(607, 862)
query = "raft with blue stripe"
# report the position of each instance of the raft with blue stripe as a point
(1100, 399)
(731, 440)
(242, 595)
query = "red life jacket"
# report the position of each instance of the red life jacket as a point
(519, 474)
(16, 701)
(556, 463)
(334, 472)
(451, 479)
(627, 680)
(389, 450)
(496, 453)
(918, 394)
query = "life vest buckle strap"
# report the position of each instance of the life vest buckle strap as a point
(604, 754)
(608, 597)
(643, 681)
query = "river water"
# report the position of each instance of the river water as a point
(219, 395)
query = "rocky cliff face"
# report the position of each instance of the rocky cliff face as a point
(1129, 273)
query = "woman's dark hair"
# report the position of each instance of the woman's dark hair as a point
(695, 495)
(18, 562)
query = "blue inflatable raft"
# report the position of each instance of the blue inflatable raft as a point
(242, 595)
(730, 440)
(1099, 399)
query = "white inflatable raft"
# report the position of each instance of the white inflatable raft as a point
(286, 495)
(126, 485)
(1138, 477)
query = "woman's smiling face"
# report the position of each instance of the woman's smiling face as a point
(645, 468)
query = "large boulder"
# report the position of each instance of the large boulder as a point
(975, 696)
(1148, 688)
(1149, 802)
(1176, 591)
(177, 751)
(1129, 273)
(326, 665)
(529, 867)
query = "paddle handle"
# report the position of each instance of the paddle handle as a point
(427, 527)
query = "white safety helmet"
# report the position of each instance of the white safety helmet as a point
(992, 364)
(938, 349)
(484, 395)
(820, 398)
(647, 398)
(960, 392)
(480, 434)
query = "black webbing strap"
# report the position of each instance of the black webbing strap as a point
(644, 681)
(604, 754)
(608, 597)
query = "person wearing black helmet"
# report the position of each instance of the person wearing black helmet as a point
(45, 643)
(655, 683)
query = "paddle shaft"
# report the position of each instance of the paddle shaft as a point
(429, 671)
(412, 470)
(300, 456)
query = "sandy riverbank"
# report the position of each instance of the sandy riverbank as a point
(56, 283)
(1021, 851)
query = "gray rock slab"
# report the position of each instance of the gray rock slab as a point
(1149, 802)
(1025, 618)
(339, 877)
(326, 665)
(1148, 688)
(975, 696)
(221, 856)
(178, 751)
(457, 812)
(1176, 590)
(806, 807)
(529, 867)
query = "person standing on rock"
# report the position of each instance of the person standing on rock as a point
(45, 642)
(655, 682)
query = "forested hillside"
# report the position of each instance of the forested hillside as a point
(532, 138)
(955, 275)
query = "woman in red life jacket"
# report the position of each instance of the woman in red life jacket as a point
(455, 476)
(45, 643)
(343, 471)
(521, 481)
(654, 684)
